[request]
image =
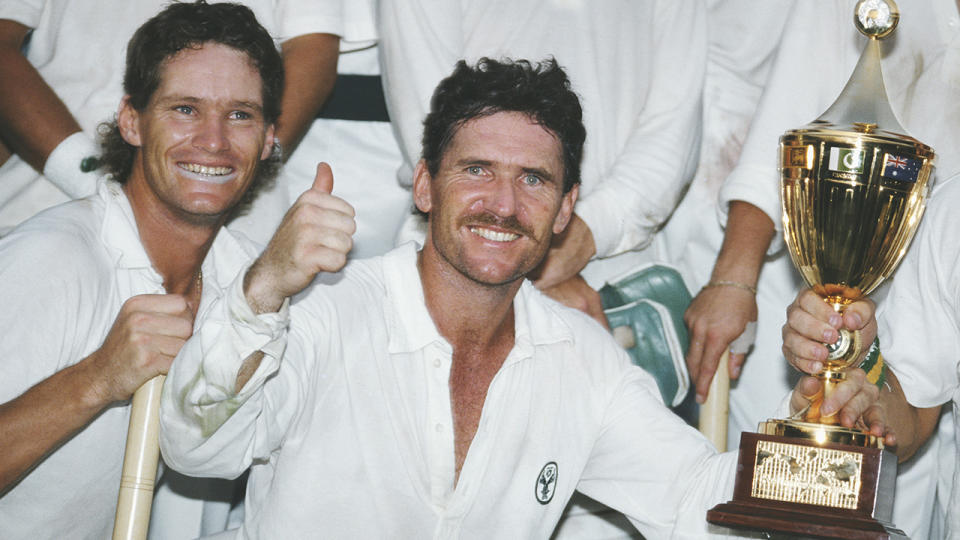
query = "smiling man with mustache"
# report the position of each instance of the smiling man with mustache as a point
(100, 293)
(435, 393)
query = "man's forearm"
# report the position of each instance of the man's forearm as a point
(310, 62)
(214, 403)
(724, 308)
(913, 426)
(746, 240)
(33, 119)
(43, 417)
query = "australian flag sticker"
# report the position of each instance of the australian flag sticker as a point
(901, 168)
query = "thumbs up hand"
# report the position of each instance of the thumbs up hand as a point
(314, 236)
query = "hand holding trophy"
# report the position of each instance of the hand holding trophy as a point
(853, 190)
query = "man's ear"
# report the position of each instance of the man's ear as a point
(269, 142)
(128, 120)
(421, 187)
(566, 209)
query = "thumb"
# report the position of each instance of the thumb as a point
(807, 390)
(736, 364)
(324, 179)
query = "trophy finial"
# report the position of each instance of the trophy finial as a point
(876, 19)
(863, 100)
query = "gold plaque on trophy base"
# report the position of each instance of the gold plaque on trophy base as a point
(802, 488)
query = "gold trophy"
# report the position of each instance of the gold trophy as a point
(853, 190)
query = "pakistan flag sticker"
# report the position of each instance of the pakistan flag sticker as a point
(848, 160)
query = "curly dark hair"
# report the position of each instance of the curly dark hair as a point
(541, 91)
(189, 25)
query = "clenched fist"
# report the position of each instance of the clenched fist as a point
(315, 236)
(146, 336)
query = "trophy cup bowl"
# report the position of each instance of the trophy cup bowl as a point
(853, 187)
(852, 200)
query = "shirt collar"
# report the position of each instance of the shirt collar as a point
(537, 319)
(227, 257)
(119, 231)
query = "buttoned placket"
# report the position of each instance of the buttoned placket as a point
(481, 449)
(207, 294)
(441, 462)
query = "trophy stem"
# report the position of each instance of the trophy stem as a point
(829, 379)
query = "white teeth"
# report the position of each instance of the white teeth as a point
(494, 236)
(208, 171)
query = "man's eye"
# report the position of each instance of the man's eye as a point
(185, 109)
(240, 115)
(474, 169)
(532, 180)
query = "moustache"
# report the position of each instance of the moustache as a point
(509, 223)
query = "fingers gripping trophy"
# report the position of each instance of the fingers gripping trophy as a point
(853, 190)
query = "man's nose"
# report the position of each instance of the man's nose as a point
(212, 135)
(501, 197)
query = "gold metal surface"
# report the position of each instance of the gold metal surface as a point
(846, 230)
(807, 475)
(820, 433)
(846, 349)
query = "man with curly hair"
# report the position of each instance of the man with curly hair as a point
(102, 292)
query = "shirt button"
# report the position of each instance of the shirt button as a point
(438, 428)
(437, 363)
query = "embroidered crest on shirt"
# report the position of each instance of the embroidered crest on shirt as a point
(547, 483)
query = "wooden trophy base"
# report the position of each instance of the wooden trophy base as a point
(781, 523)
(801, 487)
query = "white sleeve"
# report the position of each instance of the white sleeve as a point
(815, 58)
(420, 42)
(649, 465)
(64, 166)
(643, 186)
(47, 281)
(26, 12)
(352, 20)
(919, 320)
(208, 428)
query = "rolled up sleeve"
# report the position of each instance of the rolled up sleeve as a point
(208, 428)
